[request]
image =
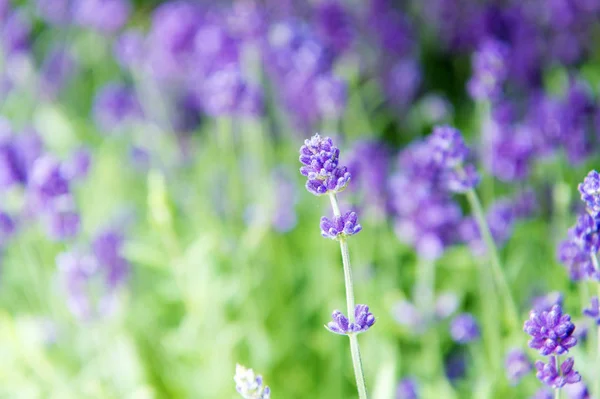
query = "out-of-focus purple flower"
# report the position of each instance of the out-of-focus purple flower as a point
(544, 303)
(284, 217)
(594, 310)
(7, 227)
(577, 390)
(368, 163)
(107, 248)
(47, 181)
(341, 226)
(517, 365)
(107, 16)
(78, 165)
(320, 159)
(551, 331)
(446, 304)
(62, 220)
(402, 81)
(543, 393)
(331, 93)
(583, 241)
(341, 325)
(448, 147)
(464, 328)
(455, 366)
(407, 389)
(407, 315)
(590, 191)
(55, 12)
(489, 70)
(525, 204)
(391, 29)
(14, 33)
(335, 25)
(463, 180)
(247, 20)
(250, 385)
(114, 106)
(129, 49)
(500, 218)
(550, 374)
(56, 71)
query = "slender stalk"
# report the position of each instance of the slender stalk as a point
(499, 276)
(354, 349)
(597, 267)
(557, 393)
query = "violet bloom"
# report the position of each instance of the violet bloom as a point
(57, 70)
(320, 159)
(107, 247)
(577, 390)
(341, 226)
(114, 106)
(55, 12)
(446, 304)
(551, 331)
(406, 314)
(582, 243)
(47, 182)
(543, 393)
(250, 385)
(7, 227)
(363, 320)
(331, 94)
(129, 49)
(517, 365)
(78, 165)
(284, 216)
(544, 303)
(335, 25)
(489, 70)
(500, 219)
(62, 220)
(590, 192)
(106, 16)
(464, 328)
(593, 311)
(554, 376)
(14, 33)
(407, 389)
(401, 82)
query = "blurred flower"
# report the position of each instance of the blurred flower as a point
(335, 25)
(363, 320)
(407, 315)
(583, 242)
(489, 70)
(284, 217)
(500, 219)
(555, 378)
(47, 182)
(407, 389)
(14, 33)
(55, 12)
(551, 331)
(594, 310)
(455, 365)
(590, 191)
(517, 365)
(577, 390)
(250, 385)
(341, 226)
(114, 106)
(464, 328)
(106, 16)
(543, 393)
(320, 159)
(446, 304)
(57, 70)
(129, 49)
(78, 165)
(544, 303)
(62, 220)
(402, 81)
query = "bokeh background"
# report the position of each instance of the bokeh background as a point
(155, 230)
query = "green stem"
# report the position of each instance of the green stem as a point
(354, 349)
(499, 276)
(597, 267)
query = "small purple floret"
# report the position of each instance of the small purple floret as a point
(341, 226)
(594, 310)
(551, 331)
(464, 328)
(341, 325)
(590, 192)
(320, 159)
(550, 375)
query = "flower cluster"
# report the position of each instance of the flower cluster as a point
(590, 192)
(320, 159)
(341, 226)
(250, 385)
(552, 335)
(489, 70)
(363, 320)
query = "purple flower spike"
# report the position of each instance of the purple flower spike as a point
(590, 192)
(464, 328)
(341, 226)
(320, 159)
(594, 310)
(489, 70)
(448, 147)
(551, 331)
(517, 365)
(550, 375)
(341, 325)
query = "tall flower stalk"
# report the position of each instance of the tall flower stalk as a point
(325, 177)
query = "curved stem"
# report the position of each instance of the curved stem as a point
(499, 276)
(354, 349)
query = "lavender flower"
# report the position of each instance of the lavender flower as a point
(320, 158)
(464, 328)
(407, 389)
(577, 390)
(341, 325)
(593, 311)
(341, 226)
(446, 304)
(590, 192)
(489, 70)
(517, 365)
(582, 243)
(250, 385)
(544, 303)
(551, 331)
(407, 314)
(334, 25)
(47, 181)
(554, 377)
(114, 106)
(543, 393)
(107, 16)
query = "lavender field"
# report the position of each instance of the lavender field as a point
(384, 199)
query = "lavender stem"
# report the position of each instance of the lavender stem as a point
(354, 348)
(493, 254)
(597, 267)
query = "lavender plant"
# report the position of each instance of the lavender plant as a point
(326, 177)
